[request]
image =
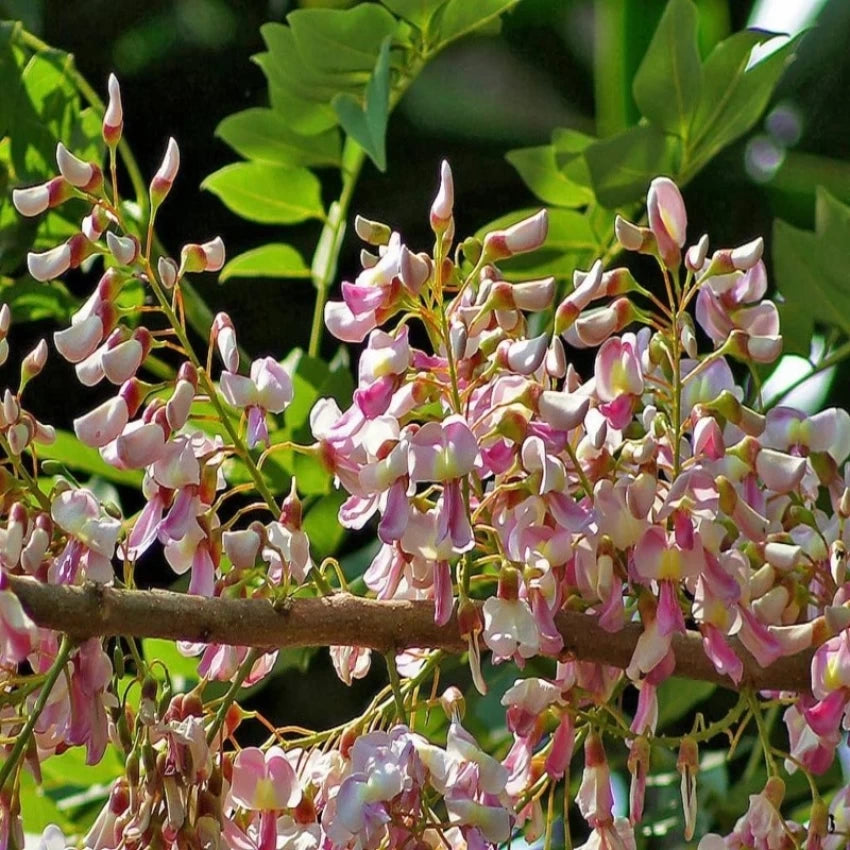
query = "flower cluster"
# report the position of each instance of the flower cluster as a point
(506, 489)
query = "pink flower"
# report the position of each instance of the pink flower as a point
(268, 390)
(264, 781)
(510, 629)
(18, 633)
(441, 451)
(92, 538)
(668, 219)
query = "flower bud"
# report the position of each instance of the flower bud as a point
(164, 178)
(167, 269)
(34, 200)
(373, 232)
(696, 254)
(668, 219)
(5, 320)
(224, 336)
(49, 264)
(414, 269)
(522, 237)
(124, 249)
(33, 363)
(632, 237)
(208, 257)
(82, 175)
(688, 764)
(291, 510)
(441, 209)
(113, 118)
(95, 223)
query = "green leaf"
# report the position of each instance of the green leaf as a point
(678, 697)
(264, 135)
(458, 18)
(39, 810)
(285, 65)
(341, 40)
(539, 170)
(68, 450)
(622, 167)
(269, 194)
(368, 126)
(733, 98)
(416, 12)
(322, 525)
(813, 288)
(273, 260)
(31, 301)
(667, 84)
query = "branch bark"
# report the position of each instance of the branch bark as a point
(95, 610)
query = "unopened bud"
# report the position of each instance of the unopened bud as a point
(83, 175)
(414, 269)
(688, 764)
(124, 249)
(631, 236)
(746, 256)
(33, 363)
(522, 237)
(164, 178)
(34, 200)
(168, 271)
(441, 209)
(208, 257)
(668, 219)
(291, 510)
(472, 249)
(224, 336)
(113, 118)
(696, 254)
(373, 232)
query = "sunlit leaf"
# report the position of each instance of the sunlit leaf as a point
(274, 260)
(264, 135)
(734, 98)
(667, 84)
(417, 12)
(622, 167)
(458, 18)
(367, 125)
(810, 270)
(269, 194)
(539, 170)
(341, 40)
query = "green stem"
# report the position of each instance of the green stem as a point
(23, 738)
(395, 684)
(20, 469)
(764, 733)
(241, 674)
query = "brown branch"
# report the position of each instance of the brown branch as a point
(341, 619)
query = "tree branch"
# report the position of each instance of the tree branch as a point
(94, 610)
